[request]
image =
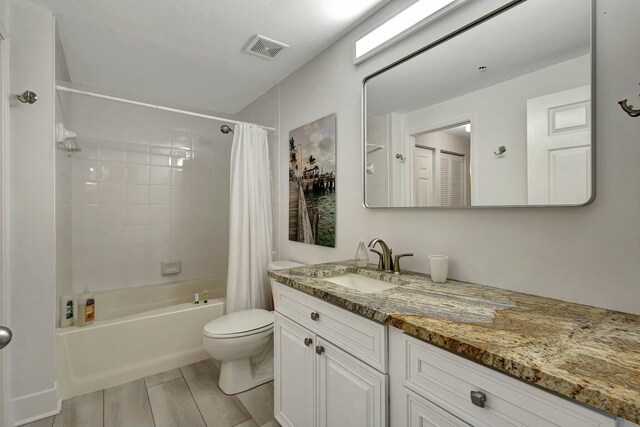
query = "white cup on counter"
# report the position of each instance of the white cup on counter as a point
(439, 268)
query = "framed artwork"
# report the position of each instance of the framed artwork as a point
(312, 183)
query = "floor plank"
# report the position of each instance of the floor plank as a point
(173, 405)
(127, 405)
(81, 411)
(45, 422)
(248, 423)
(217, 408)
(162, 377)
(259, 402)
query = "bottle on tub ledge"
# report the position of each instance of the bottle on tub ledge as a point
(86, 312)
(66, 311)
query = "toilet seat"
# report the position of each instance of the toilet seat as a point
(239, 324)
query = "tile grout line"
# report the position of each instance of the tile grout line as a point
(146, 389)
(192, 397)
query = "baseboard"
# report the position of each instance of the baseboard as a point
(36, 406)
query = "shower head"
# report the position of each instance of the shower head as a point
(225, 129)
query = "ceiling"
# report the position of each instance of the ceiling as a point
(528, 37)
(190, 52)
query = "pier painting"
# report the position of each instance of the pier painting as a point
(312, 183)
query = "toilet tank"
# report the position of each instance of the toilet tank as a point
(281, 265)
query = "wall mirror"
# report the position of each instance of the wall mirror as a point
(498, 114)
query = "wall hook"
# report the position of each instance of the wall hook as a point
(28, 97)
(401, 157)
(628, 108)
(501, 150)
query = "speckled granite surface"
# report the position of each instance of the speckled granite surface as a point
(584, 353)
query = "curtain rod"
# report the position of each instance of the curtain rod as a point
(157, 107)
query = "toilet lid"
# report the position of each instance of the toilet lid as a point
(239, 323)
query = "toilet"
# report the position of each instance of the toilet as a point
(243, 342)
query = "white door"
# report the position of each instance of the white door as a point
(559, 147)
(452, 180)
(423, 176)
(350, 392)
(4, 332)
(294, 384)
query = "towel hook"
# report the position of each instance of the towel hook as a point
(628, 108)
(28, 97)
(501, 150)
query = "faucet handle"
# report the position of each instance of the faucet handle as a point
(379, 258)
(396, 262)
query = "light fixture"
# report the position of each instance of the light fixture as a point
(401, 25)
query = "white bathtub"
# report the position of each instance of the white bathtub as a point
(137, 332)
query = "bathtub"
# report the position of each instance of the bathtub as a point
(137, 332)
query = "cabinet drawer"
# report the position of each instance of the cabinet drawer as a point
(363, 338)
(422, 413)
(447, 380)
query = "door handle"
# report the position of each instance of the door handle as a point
(308, 341)
(319, 349)
(5, 336)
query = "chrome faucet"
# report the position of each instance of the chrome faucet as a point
(386, 262)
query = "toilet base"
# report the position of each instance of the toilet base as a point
(237, 376)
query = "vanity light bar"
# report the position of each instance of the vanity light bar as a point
(401, 25)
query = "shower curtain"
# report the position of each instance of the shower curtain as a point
(249, 220)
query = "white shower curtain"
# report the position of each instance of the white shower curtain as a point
(249, 221)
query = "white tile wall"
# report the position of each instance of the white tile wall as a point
(147, 187)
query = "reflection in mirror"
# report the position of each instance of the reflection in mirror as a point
(499, 115)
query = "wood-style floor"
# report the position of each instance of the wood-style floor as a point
(185, 397)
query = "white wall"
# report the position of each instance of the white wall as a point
(499, 116)
(32, 192)
(586, 254)
(149, 186)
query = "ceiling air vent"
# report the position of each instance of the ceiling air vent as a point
(264, 47)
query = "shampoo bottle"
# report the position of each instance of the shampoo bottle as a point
(362, 256)
(66, 311)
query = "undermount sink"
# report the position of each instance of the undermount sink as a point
(360, 283)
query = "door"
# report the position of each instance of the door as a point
(294, 384)
(452, 180)
(5, 333)
(559, 147)
(423, 176)
(350, 392)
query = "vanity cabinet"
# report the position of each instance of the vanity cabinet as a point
(318, 381)
(428, 383)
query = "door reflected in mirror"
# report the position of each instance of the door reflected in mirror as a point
(498, 115)
(441, 167)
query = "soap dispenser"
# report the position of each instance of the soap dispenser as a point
(362, 256)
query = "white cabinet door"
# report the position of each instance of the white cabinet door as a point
(294, 384)
(350, 393)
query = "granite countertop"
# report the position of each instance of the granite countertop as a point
(588, 354)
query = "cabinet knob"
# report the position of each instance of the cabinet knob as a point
(315, 316)
(308, 341)
(478, 398)
(319, 349)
